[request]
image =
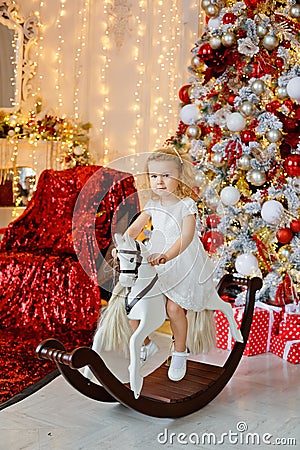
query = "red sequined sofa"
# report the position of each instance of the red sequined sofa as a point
(51, 256)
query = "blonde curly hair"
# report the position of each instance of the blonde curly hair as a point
(185, 169)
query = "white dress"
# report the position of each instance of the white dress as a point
(188, 278)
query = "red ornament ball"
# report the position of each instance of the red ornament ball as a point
(279, 62)
(229, 18)
(211, 240)
(248, 136)
(231, 98)
(183, 93)
(205, 52)
(292, 165)
(213, 220)
(284, 235)
(295, 225)
(273, 106)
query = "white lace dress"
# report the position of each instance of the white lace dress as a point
(187, 279)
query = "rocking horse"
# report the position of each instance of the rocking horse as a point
(155, 395)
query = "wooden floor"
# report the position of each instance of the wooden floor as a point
(262, 399)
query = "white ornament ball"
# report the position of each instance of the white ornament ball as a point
(230, 195)
(293, 88)
(189, 114)
(235, 122)
(214, 23)
(78, 150)
(212, 202)
(272, 211)
(215, 42)
(246, 264)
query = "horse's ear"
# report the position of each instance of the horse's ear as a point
(118, 239)
(128, 240)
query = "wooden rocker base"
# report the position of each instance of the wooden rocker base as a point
(160, 397)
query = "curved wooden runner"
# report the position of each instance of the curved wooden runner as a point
(160, 397)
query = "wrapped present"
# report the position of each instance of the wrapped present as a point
(288, 350)
(289, 330)
(265, 322)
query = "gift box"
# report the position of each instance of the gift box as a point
(265, 323)
(288, 350)
(289, 328)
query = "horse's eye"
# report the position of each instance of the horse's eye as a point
(131, 260)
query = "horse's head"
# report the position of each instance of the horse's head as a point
(129, 253)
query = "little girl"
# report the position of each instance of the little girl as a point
(185, 270)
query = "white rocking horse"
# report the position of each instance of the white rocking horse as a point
(137, 296)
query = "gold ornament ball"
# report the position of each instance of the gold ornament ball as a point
(244, 162)
(193, 131)
(196, 62)
(274, 136)
(212, 10)
(217, 159)
(258, 87)
(247, 108)
(285, 252)
(295, 11)
(270, 42)
(215, 42)
(261, 31)
(228, 39)
(281, 92)
(256, 177)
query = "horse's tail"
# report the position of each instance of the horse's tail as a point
(114, 331)
(201, 331)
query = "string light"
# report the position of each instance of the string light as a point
(59, 73)
(106, 60)
(39, 55)
(83, 16)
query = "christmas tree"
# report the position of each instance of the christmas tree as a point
(240, 121)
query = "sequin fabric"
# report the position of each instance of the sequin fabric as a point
(49, 259)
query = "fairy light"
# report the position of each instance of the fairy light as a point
(165, 104)
(83, 16)
(106, 60)
(39, 55)
(59, 73)
(140, 20)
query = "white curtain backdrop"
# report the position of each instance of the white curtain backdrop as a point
(115, 63)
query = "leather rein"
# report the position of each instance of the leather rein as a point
(138, 254)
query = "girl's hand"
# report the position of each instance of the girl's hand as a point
(157, 258)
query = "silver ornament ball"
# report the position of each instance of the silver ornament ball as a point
(247, 108)
(258, 87)
(295, 11)
(244, 162)
(256, 177)
(281, 92)
(228, 39)
(212, 202)
(212, 10)
(261, 31)
(193, 131)
(205, 3)
(215, 42)
(274, 135)
(270, 42)
(217, 159)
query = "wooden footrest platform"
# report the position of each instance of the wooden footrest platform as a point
(199, 377)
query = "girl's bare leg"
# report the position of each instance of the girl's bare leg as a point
(134, 324)
(178, 322)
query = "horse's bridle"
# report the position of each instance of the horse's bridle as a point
(134, 271)
(139, 259)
